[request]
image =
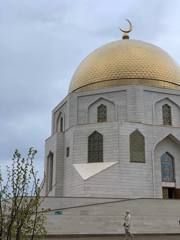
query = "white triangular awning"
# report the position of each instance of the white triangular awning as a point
(87, 170)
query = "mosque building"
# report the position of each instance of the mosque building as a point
(115, 142)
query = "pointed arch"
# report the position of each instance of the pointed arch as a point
(101, 110)
(168, 135)
(95, 147)
(169, 144)
(102, 113)
(171, 108)
(167, 100)
(50, 171)
(137, 147)
(166, 114)
(99, 100)
(60, 123)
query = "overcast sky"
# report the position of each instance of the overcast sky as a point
(43, 41)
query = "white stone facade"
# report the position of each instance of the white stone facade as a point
(128, 108)
(105, 216)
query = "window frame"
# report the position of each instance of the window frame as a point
(50, 172)
(172, 167)
(102, 113)
(95, 147)
(137, 152)
(167, 115)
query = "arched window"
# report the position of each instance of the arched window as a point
(167, 168)
(50, 171)
(102, 113)
(166, 113)
(137, 147)
(61, 124)
(95, 147)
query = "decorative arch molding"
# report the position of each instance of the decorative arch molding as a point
(99, 100)
(174, 108)
(59, 122)
(167, 135)
(167, 99)
(93, 106)
(169, 143)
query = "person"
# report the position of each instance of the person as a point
(127, 224)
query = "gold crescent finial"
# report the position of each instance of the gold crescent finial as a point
(125, 35)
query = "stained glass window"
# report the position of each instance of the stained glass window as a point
(137, 147)
(50, 171)
(167, 168)
(166, 112)
(102, 113)
(95, 147)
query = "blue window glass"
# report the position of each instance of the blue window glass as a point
(167, 168)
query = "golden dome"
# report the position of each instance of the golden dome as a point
(126, 62)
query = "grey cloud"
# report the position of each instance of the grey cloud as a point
(41, 44)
